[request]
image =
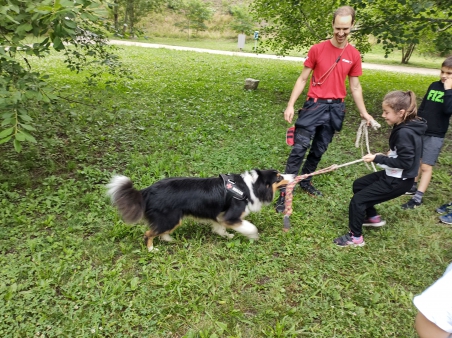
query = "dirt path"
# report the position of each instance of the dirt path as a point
(389, 68)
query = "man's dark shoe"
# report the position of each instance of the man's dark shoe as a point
(310, 189)
(280, 203)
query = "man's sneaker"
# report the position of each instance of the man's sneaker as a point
(374, 221)
(446, 218)
(310, 189)
(411, 204)
(444, 208)
(349, 240)
(412, 190)
(280, 203)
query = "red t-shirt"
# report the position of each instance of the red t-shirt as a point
(320, 58)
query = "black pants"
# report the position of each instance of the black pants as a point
(370, 190)
(316, 122)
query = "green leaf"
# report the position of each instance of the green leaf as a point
(14, 8)
(27, 126)
(12, 19)
(26, 136)
(5, 139)
(88, 16)
(26, 27)
(20, 136)
(25, 117)
(6, 132)
(57, 43)
(44, 8)
(69, 31)
(7, 115)
(7, 121)
(17, 145)
(70, 24)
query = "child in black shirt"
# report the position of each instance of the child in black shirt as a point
(436, 108)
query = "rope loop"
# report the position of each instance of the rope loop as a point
(363, 130)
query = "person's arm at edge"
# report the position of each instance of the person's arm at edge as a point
(296, 92)
(448, 96)
(357, 94)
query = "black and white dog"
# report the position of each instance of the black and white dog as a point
(224, 201)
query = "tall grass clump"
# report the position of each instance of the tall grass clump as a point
(71, 268)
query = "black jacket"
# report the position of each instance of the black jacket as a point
(406, 145)
(436, 108)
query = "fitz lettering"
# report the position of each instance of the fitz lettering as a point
(436, 96)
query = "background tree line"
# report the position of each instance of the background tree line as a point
(80, 30)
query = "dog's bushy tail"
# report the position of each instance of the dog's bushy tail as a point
(126, 198)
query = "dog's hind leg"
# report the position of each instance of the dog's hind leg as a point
(166, 235)
(247, 229)
(149, 240)
(221, 230)
(166, 238)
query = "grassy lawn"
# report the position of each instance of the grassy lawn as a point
(69, 267)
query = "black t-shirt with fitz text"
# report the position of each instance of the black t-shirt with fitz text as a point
(436, 108)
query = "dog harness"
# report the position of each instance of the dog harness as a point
(231, 190)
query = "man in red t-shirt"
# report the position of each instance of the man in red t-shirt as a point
(330, 62)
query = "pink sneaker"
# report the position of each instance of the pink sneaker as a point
(374, 221)
(349, 240)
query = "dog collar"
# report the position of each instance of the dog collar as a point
(231, 188)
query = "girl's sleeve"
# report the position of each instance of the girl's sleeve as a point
(406, 152)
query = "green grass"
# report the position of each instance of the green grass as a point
(69, 267)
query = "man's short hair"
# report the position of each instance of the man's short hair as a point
(447, 63)
(344, 11)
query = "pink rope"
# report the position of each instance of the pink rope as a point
(290, 187)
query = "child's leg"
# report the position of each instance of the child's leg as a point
(380, 188)
(431, 150)
(362, 183)
(426, 176)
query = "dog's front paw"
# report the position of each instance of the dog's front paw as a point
(230, 236)
(253, 236)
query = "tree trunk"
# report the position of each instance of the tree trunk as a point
(189, 29)
(116, 14)
(124, 26)
(131, 18)
(407, 52)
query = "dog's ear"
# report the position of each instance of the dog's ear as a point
(269, 176)
(258, 171)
